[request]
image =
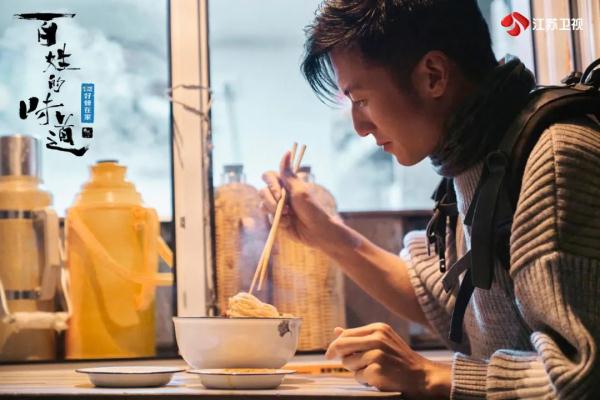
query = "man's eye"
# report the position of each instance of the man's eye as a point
(359, 103)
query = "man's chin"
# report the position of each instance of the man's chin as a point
(405, 160)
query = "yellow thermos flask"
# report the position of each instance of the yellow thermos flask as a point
(112, 247)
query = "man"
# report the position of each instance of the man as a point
(423, 81)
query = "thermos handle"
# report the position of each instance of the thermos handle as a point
(52, 262)
(147, 226)
(146, 218)
(100, 253)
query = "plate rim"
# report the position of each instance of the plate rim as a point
(173, 371)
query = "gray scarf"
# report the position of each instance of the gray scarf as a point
(479, 124)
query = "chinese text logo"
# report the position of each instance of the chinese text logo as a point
(515, 23)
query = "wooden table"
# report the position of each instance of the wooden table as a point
(60, 381)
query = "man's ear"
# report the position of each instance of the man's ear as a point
(430, 75)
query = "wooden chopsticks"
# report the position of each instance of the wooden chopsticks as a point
(263, 263)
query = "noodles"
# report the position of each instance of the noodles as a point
(245, 305)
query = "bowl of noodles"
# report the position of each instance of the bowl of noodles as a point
(253, 334)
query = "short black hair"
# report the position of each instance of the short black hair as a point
(396, 34)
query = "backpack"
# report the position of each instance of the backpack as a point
(491, 211)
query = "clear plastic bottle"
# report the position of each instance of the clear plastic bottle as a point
(240, 233)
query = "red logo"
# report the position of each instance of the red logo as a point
(516, 21)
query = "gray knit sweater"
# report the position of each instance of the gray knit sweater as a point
(536, 333)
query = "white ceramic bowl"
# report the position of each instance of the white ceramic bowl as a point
(217, 342)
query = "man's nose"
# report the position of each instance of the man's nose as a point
(362, 126)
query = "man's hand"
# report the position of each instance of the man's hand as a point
(380, 358)
(303, 217)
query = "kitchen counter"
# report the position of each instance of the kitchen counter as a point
(60, 381)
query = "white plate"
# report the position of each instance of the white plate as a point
(130, 376)
(245, 378)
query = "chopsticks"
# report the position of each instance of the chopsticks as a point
(263, 263)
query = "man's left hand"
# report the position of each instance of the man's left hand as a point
(379, 357)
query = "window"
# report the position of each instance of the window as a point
(120, 47)
(260, 105)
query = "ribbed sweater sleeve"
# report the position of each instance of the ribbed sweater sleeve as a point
(426, 279)
(555, 267)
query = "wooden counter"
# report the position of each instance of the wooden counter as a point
(60, 381)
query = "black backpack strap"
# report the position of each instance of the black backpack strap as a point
(482, 231)
(591, 75)
(460, 307)
(445, 214)
(503, 225)
(450, 278)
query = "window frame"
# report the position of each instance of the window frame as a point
(191, 157)
(550, 46)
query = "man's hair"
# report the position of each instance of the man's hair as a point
(396, 34)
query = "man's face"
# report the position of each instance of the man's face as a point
(400, 121)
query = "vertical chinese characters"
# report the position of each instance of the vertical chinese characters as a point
(50, 112)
